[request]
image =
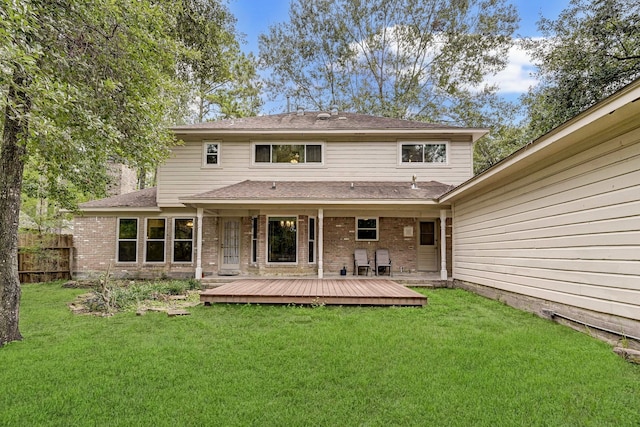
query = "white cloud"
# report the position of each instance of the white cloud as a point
(517, 77)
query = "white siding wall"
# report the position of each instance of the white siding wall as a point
(567, 232)
(367, 160)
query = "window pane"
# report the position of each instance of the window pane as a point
(182, 251)
(314, 153)
(263, 153)
(435, 153)
(367, 235)
(155, 251)
(412, 153)
(312, 229)
(367, 223)
(212, 154)
(287, 154)
(128, 229)
(282, 239)
(155, 229)
(184, 229)
(126, 251)
(427, 233)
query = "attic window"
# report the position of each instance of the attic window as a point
(288, 153)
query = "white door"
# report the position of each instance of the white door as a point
(427, 246)
(230, 244)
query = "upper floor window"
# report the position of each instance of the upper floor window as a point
(288, 153)
(211, 154)
(431, 152)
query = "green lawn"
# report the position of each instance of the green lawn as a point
(462, 360)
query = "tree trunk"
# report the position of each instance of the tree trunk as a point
(12, 159)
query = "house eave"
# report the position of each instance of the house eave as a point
(476, 133)
(115, 209)
(298, 202)
(624, 104)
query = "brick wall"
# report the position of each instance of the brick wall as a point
(95, 240)
(95, 243)
(340, 243)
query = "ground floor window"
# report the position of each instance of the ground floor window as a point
(282, 239)
(127, 240)
(367, 229)
(183, 240)
(155, 239)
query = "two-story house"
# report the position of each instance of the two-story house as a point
(554, 228)
(290, 194)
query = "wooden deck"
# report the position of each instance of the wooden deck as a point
(314, 291)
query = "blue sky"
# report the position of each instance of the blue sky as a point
(256, 16)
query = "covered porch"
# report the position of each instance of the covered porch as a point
(295, 229)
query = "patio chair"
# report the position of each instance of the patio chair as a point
(383, 261)
(361, 260)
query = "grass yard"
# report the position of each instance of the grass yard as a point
(460, 361)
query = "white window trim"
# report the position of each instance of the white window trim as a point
(287, 165)
(174, 240)
(118, 240)
(255, 240)
(424, 164)
(164, 253)
(315, 239)
(204, 154)
(377, 229)
(266, 257)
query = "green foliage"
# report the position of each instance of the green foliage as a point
(221, 78)
(399, 58)
(462, 360)
(126, 296)
(589, 52)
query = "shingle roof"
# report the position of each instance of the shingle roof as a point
(313, 121)
(138, 199)
(324, 191)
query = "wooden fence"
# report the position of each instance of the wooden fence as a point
(44, 257)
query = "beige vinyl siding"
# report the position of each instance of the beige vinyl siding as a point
(566, 231)
(366, 160)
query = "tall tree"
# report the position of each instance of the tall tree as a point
(223, 81)
(420, 59)
(81, 82)
(589, 52)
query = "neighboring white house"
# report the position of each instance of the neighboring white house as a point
(556, 226)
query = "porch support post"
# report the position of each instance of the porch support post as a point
(443, 244)
(320, 243)
(200, 214)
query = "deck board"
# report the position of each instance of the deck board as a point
(314, 291)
